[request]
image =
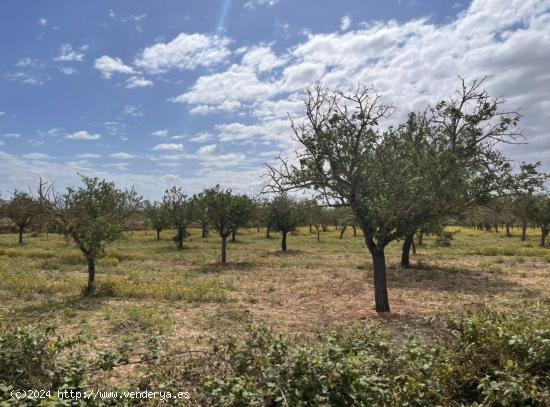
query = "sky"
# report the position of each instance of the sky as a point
(198, 93)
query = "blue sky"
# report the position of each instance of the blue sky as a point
(196, 93)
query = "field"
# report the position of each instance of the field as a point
(145, 285)
(150, 292)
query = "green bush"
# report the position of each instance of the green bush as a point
(482, 358)
(33, 358)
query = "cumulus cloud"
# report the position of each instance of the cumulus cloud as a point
(186, 51)
(252, 4)
(86, 156)
(168, 147)
(209, 149)
(133, 111)
(109, 66)
(345, 23)
(68, 70)
(36, 156)
(122, 156)
(68, 54)
(160, 133)
(138, 82)
(82, 135)
(411, 63)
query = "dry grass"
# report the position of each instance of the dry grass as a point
(147, 286)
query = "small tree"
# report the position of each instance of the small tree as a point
(539, 212)
(181, 212)
(243, 211)
(94, 216)
(225, 213)
(22, 209)
(157, 214)
(284, 216)
(202, 213)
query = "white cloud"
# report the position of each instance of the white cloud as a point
(82, 135)
(138, 82)
(108, 66)
(2, 143)
(252, 4)
(262, 58)
(209, 149)
(12, 135)
(68, 70)
(68, 54)
(36, 156)
(160, 133)
(85, 156)
(168, 147)
(201, 138)
(2, 114)
(411, 64)
(237, 84)
(133, 111)
(27, 62)
(122, 156)
(186, 51)
(43, 22)
(26, 78)
(345, 23)
(112, 14)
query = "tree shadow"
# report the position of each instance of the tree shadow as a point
(40, 310)
(466, 280)
(280, 253)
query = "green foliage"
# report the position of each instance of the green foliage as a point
(481, 359)
(284, 214)
(181, 212)
(226, 210)
(94, 215)
(38, 359)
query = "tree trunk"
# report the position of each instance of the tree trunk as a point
(318, 235)
(543, 235)
(91, 275)
(342, 231)
(181, 232)
(204, 231)
(413, 245)
(158, 234)
(258, 227)
(267, 230)
(405, 252)
(523, 232)
(224, 249)
(381, 300)
(420, 238)
(234, 234)
(508, 234)
(283, 242)
(354, 230)
(310, 228)
(20, 234)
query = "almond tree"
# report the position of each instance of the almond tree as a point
(284, 215)
(349, 161)
(22, 209)
(181, 212)
(226, 212)
(157, 214)
(94, 215)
